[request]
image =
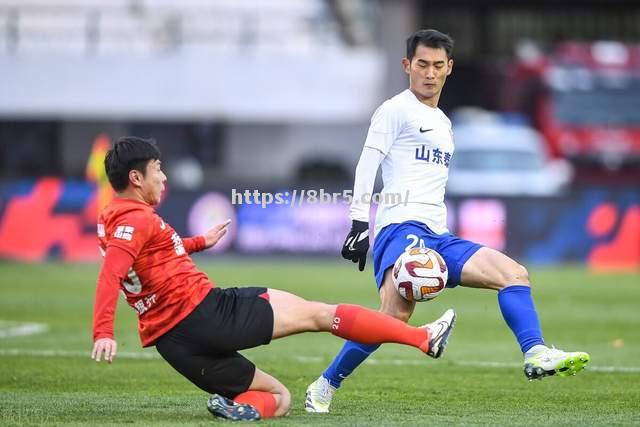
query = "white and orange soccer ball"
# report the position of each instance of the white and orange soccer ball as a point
(420, 274)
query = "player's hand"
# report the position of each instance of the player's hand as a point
(106, 346)
(212, 236)
(356, 244)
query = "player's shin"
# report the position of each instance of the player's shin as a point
(350, 357)
(366, 326)
(518, 310)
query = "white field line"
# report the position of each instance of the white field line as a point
(14, 329)
(72, 353)
(471, 363)
(305, 359)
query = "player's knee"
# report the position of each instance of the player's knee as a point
(520, 275)
(320, 316)
(516, 274)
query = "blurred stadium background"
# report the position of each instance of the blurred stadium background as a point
(276, 95)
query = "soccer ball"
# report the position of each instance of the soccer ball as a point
(420, 274)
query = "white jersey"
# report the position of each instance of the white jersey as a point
(417, 143)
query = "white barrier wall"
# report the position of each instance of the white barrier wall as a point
(337, 86)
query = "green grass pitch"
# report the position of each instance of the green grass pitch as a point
(48, 377)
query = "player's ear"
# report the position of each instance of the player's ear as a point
(135, 177)
(450, 66)
(406, 65)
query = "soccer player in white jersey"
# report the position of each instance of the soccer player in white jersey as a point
(412, 139)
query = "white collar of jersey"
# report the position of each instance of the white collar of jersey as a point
(415, 98)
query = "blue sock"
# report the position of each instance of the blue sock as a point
(350, 357)
(520, 314)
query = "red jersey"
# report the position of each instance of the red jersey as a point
(149, 262)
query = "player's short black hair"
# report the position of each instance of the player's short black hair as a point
(129, 153)
(429, 38)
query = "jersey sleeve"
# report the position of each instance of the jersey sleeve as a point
(366, 170)
(193, 244)
(115, 267)
(132, 231)
(387, 122)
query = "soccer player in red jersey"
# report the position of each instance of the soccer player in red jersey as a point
(197, 327)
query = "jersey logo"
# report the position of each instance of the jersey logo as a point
(177, 244)
(132, 282)
(435, 155)
(143, 305)
(425, 130)
(124, 232)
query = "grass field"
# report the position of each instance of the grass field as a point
(48, 377)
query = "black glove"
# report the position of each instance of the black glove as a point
(356, 244)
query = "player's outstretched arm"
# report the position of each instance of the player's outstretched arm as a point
(115, 267)
(214, 235)
(207, 240)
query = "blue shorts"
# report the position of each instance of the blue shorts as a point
(394, 239)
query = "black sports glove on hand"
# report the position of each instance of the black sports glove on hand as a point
(356, 244)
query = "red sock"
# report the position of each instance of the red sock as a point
(360, 324)
(264, 402)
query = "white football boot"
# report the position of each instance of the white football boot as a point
(439, 331)
(319, 395)
(551, 361)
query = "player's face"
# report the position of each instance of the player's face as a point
(153, 182)
(428, 70)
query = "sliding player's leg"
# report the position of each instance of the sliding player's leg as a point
(491, 269)
(293, 315)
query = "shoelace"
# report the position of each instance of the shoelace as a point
(555, 351)
(550, 354)
(326, 392)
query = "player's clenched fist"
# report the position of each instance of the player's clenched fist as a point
(356, 244)
(106, 346)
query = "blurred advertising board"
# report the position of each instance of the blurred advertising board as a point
(53, 218)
